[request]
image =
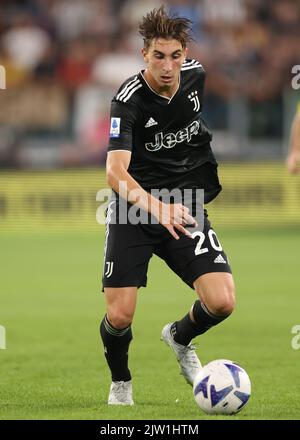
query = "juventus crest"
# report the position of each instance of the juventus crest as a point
(109, 268)
(193, 97)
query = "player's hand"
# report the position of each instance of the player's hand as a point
(174, 217)
(293, 162)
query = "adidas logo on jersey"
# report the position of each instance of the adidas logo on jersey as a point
(150, 123)
(219, 259)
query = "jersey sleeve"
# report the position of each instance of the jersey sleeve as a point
(123, 118)
(201, 82)
(195, 76)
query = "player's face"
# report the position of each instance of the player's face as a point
(164, 59)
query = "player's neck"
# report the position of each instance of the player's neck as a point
(167, 91)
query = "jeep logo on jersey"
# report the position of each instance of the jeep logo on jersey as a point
(169, 140)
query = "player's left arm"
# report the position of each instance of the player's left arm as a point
(293, 159)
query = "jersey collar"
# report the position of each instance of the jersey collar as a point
(141, 74)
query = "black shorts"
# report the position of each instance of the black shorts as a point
(128, 249)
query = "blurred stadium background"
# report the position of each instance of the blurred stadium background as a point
(64, 60)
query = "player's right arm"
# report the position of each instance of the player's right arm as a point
(293, 159)
(172, 216)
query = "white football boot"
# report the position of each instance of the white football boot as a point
(120, 393)
(185, 354)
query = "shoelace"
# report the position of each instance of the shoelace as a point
(190, 356)
(121, 390)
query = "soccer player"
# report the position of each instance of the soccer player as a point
(293, 159)
(159, 140)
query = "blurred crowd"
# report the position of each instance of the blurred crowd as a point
(64, 60)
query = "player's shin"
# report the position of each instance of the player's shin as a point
(186, 329)
(116, 344)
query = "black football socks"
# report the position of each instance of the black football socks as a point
(116, 344)
(185, 330)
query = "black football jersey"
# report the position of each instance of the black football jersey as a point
(169, 141)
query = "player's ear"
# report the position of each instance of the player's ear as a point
(145, 55)
(185, 51)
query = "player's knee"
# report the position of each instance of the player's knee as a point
(119, 319)
(224, 304)
(223, 307)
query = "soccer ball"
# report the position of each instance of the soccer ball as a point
(222, 387)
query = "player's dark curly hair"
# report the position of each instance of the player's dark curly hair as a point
(158, 24)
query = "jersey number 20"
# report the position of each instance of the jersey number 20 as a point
(213, 241)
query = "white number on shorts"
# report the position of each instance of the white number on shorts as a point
(198, 250)
(213, 241)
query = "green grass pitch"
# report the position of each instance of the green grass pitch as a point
(51, 305)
